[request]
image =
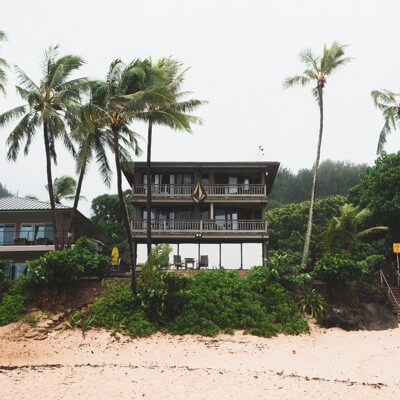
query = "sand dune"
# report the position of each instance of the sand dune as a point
(325, 364)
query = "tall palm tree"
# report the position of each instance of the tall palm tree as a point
(3, 66)
(167, 72)
(345, 230)
(318, 68)
(48, 105)
(388, 103)
(122, 100)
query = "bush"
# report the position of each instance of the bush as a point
(3, 266)
(12, 304)
(340, 268)
(117, 309)
(221, 300)
(282, 268)
(59, 268)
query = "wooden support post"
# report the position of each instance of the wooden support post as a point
(177, 250)
(241, 255)
(198, 253)
(220, 265)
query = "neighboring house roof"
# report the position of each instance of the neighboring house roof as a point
(25, 204)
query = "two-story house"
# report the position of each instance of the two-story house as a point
(203, 202)
(26, 230)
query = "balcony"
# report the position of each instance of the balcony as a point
(212, 191)
(205, 229)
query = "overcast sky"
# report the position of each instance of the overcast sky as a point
(239, 53)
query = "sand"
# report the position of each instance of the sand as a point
(325, 364)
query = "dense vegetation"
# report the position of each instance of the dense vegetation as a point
(334, 177)
(207, 303)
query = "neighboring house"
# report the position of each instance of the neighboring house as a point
(203, 202)
(26, 230)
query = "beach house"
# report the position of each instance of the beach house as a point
(26, 230)
(202, 202)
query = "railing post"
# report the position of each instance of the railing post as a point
(201, 225)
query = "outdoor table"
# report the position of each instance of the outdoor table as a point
(189, 261)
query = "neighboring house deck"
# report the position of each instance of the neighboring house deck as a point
(26, 230)
(203, 202)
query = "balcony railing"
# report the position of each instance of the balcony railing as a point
(211, 190)
(200, 225)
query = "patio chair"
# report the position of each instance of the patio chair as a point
(178, 262)
(203, 263)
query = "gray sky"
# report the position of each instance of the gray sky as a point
(239, 53)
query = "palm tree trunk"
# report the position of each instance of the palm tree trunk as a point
(148, 190)
(124, 212)
(50, 185)
(77, 196)
(307, 240)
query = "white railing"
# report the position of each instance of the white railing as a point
(201, 225)
(389, 290)
(211, 190)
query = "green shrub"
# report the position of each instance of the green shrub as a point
(117, 309)
(60, 268)
(282, 268)
(340, 268)
(221, 300)
(12, 304)
(3, 267)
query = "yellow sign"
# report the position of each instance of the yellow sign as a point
(396, 247)
(115, 256)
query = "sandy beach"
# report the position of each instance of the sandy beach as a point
(325, 364)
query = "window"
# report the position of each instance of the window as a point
(7, 234)
(33, 232)
(26, 232)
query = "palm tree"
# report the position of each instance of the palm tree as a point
(3, 66)
(316, 72)
(122, 98)
(48, 106)
(64, 188)
(345, 229)
(388, 103)
(93, 138)
(166, 73)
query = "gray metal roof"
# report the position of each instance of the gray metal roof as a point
(22, 204)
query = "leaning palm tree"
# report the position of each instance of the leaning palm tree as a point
(168, 74)
(388, 103)
(316, 72)
(345, 230)
(3, 66)
(48, 105)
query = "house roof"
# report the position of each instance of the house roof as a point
(25, 204)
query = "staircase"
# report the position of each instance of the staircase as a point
(395, 300)
(393, 293)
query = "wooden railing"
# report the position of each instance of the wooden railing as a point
(211, 190)
(201, 225)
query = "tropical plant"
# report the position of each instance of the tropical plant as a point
(3, 66)
(345, 230)
(387, 102)
(318, 68)
(48, 106)
(312, 303)
(64, 188)
(173, 113)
